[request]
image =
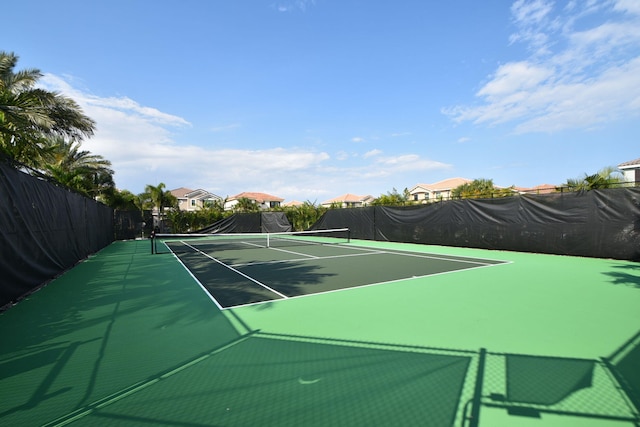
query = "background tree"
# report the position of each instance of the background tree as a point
(302, 217)
(159, 199)
(393, 198)
(246, 205)
(76, 169)
(480, 188)
(607, 177)
(123, 200)
(29, 115)
(188, 221)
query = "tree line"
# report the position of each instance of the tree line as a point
(41, 133)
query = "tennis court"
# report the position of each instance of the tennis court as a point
(241, 269)
(356, 333)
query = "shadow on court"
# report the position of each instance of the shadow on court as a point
(110, 322)
(267, 379)
(624, 364)
(530, 386)
(627, 274)
(263, 379)
(232, 287)
(235, 278)
(127, 339)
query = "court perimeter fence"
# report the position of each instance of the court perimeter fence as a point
(44, 230)
(598, 223)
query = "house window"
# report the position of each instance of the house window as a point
(193, 202)
(415, 197)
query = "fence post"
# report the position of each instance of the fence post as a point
(474, 418)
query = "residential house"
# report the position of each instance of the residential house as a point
(441, 190)
(349, 201)
(292, 204)
(538, 189)
(631, 171)
(193, 200)
(263, 200)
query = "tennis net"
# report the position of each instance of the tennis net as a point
(184, 243)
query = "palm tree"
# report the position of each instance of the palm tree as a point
(607, 177)
(77, 169)
(246, 205)
(160, 199)
(28, 115)
(305, 215)
(123, 200)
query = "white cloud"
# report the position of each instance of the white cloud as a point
(528, 12)
(590, 78)
(514, 77)
(225, 128)
(587, 104)
(357, 139)
(91, 103)
(290, 6)
(529, 16)
(630, 6)
(144, 146)
(408, 162)
(342, 155)
(141, 144)
(372, 153)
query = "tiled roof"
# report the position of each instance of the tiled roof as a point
(186, 193)
(258, 197)
(181, 193)
(445, 184)
(635, 162)
(202, 194)
(542, 188)
(293, 203)
(449, 184)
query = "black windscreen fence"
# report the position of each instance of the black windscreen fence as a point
(44, 230)
(597, 223)
(254, 222)
(130, 225)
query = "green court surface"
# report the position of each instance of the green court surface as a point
(401, 335)
(246, 276)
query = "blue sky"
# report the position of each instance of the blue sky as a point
(308, 100)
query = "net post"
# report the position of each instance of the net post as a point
(348, 235)
(152, 237)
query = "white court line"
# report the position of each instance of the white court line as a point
(236, 271)
(280, 261)
(251, 244)
(367, 251)
(362, 252)
(367, 285)
(294, 253)
(198, 282)
(456, 258)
